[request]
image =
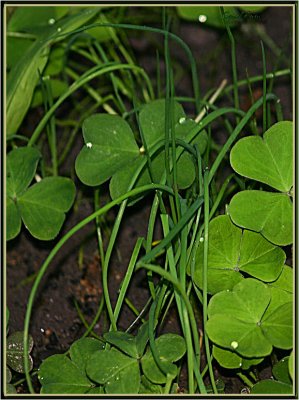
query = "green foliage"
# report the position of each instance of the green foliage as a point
(209, 15)
(270, 386)
(41, 206)
(267, 161)
(24, 74)
(232, 251)
(170, 348)
(116, 371)
(240, 320)
(58, 374)
(10, 389)
(109, 146)
(15, 352)
(113, 371)
(237, 261)
(111, 151)
(282, 383)
(291, 365)
(231, 360)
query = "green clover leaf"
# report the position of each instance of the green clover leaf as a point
(239, 320)
(233, 251)
(42, 206)
(268, 160)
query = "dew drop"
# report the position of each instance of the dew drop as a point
(51, 21)
(182, 120)
(240, 365)
(202, 18)
(42, 330)
(58, 29)
(201, 239)
(234, 344)
(142, 150)
(89, 145)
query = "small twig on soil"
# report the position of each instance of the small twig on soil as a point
(212, 100)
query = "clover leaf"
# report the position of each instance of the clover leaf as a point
(233, 251)
(209, 15)
(60, 374)
(239, 321)
(10, 389)
(116, 371)
(111, 151)
(170, 348)
(124, 341)
(268, 160)
(231, 360)
(15, 352)
(109, 146)
(42, 206)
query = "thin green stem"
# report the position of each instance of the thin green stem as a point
(172, 36)
(233, 60)
(88, 76)
(178, 286)
(245, 379)
(205, 276)
(127, 279)
(264, 89)
(83, 320)
(55, 250)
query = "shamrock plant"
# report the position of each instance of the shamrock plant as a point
(268, 160)
(111, 150)
(120, 367)
(211, 246)
(234, 252)
(242, 320)
(41, 206)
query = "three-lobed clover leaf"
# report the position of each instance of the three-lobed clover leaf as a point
(42, 206)
(233, 251)
(60, 374)
(268, 160)
(111, 151)
(239, 320)
(93, 369)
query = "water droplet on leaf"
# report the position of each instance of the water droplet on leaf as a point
(51, 21)
(182, 120)
(234, 344)
(202, 18)
(89, 145)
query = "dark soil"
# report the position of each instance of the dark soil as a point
(55, 323)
